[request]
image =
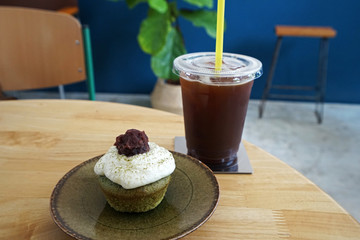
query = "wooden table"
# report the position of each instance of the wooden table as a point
(41, 140)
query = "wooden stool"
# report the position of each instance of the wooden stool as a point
(291, 31)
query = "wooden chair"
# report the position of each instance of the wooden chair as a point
(42, 48)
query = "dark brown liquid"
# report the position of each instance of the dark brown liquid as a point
(214, 118)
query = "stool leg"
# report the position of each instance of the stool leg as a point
(321, 84)
(270, 77)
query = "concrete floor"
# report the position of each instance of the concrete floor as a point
(328, 153)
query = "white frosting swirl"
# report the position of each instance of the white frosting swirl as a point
(138, 170)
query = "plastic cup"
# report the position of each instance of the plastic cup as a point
(215, 105)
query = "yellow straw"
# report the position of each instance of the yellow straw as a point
(219, 34)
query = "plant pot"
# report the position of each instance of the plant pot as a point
(167, 97)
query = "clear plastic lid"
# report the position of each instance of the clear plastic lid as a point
(236, 68)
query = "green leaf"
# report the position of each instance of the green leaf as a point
(162, 63)
(202, 18)
(133, 3)
(159, 5)
(201, 3)
(153, 32)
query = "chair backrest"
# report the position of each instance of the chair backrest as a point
(39, 48)
(66, 6)
(42, 4)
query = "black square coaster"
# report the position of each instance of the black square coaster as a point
(244, 165)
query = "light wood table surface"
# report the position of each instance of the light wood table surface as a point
(41, 140)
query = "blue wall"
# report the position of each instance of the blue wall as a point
(121, 67)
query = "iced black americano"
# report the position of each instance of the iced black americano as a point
(215, 105)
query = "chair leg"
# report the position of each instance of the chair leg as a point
(321, 84)
(270, 77)
(4, 97)
(89, 63)
(61, 91)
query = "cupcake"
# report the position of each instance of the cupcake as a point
(134, 173)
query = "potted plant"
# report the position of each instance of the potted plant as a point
(161, 37)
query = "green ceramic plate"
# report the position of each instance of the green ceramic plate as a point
(79, 208)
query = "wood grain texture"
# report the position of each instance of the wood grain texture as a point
(41, 140)
(39, 48)
(302, 31)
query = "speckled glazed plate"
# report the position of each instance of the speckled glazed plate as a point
(79, 208)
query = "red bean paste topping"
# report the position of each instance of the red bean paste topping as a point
(132, 142)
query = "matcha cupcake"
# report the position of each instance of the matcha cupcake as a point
(134, 174)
